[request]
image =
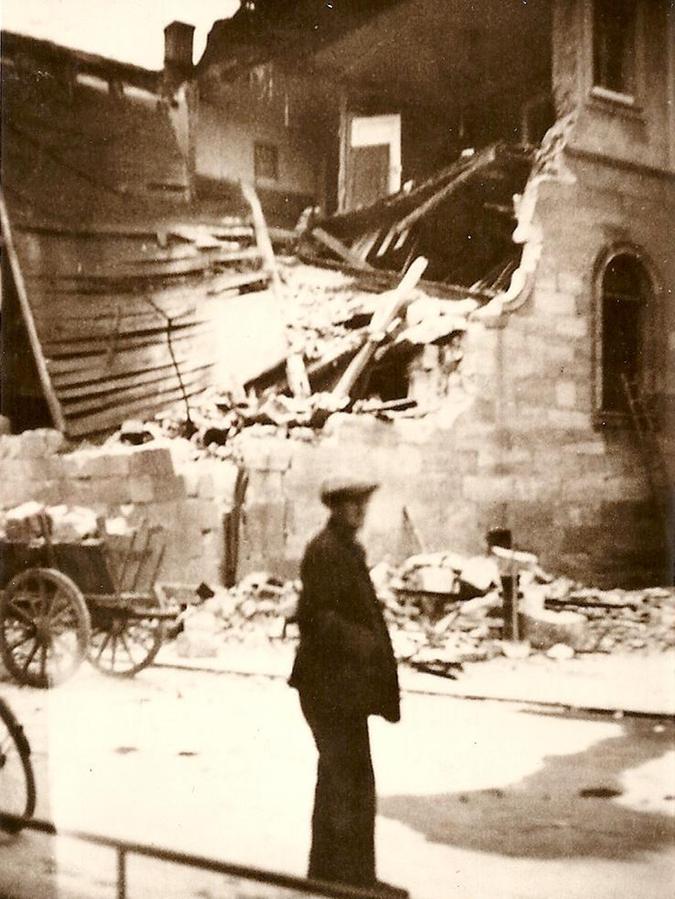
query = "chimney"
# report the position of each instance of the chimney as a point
(178, 38)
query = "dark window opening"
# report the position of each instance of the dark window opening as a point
(266, 162)
(624, 300)
(614, 45)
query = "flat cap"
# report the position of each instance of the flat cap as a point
(336, 489)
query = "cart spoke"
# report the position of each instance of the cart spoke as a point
(31, 656)
(103, 645)
(27, 596)
(43, 660)
(124, 643)
(16, 644)
(113, 651)
(49, 605)
(42, 593)
(66, 620)
(20, 614)
(56, 610)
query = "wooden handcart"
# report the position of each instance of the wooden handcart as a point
(64, 602)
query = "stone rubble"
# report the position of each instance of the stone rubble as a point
(65, 524)
(439, 618)
(327, 321)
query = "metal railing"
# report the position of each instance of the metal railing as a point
(125, 848)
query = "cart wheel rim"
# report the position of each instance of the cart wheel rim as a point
(44, 627)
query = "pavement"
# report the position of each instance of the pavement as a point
(475, 799)
(618, 684)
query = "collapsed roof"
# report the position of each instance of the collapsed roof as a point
(112, 269)
(461, 219)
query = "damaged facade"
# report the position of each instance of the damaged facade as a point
(547, 443)
(540, 185)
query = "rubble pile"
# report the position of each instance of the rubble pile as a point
(443, 610)
(30, 521)
(259, 607)
(619, 620)
(329, 321)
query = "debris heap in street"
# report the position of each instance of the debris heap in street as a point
(443, 610)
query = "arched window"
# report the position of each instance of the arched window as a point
(625, 330)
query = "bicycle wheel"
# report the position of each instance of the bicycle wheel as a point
(17, 782)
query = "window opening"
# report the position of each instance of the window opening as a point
(614, 45)
(624, 301)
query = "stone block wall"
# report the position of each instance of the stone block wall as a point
(525, 451)
(582, 497)
(189, 499)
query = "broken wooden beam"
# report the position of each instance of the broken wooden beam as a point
(337, 247)
(391, 304)
(480, 161)
(261, 233)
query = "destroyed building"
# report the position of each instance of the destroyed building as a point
(528, 152)
(568, 436)
(113, 273)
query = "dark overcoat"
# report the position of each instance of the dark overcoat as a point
(345, 663)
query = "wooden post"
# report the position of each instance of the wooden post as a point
(343, 144)
(41, 364)
(295, 365)
(262, 235)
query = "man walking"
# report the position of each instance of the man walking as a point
(344, 671)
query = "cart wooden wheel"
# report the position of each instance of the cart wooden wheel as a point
(125, 639)
(44, 627)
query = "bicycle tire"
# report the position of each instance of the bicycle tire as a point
(13, 741)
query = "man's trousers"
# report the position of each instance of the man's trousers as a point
(343, 822)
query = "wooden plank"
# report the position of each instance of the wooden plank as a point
(377, 281)
(382, 318)
(111, 418)
(296, 373)
(232, 282)
(125, 273)
(480, 161)
(161, 267)
(364, 244)
(77, 303)
(105, 385)
(24, 304)
(261, 233)
(149, 230)
(66, 372)
(111, 329)
(91, 326)
(340, 250)
(114, 398)
(344, 123)
(101, 345)
(73, 306)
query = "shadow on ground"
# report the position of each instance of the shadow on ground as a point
(563, 810)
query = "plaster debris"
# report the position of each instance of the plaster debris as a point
(437, 625)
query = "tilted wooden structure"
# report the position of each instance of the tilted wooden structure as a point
(110, 268)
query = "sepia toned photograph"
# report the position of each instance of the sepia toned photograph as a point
(337, 449)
